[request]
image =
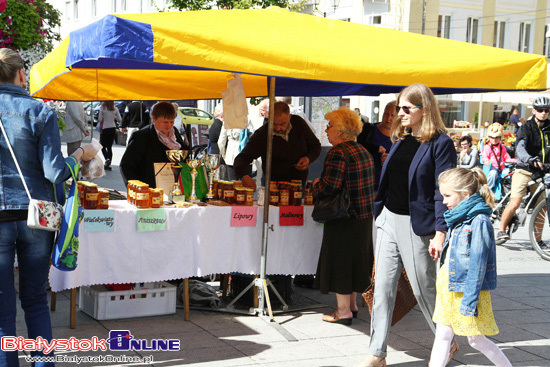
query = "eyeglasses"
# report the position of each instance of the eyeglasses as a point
(406, 109)
(329, 126)
(542, 110)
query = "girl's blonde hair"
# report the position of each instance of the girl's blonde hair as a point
(432, 124)
(469, 180)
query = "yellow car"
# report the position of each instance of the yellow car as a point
(192, 115)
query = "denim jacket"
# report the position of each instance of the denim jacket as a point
(471, 258)
(33, 133)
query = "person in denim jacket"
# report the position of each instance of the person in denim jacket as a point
(33, 133)
(468, 268)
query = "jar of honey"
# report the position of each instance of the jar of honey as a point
(273, 186)
(229, 193)
(141, 196)
(221, 186)
(131, 191)
(91, 194)
(284, 194)
(215, 184)
(249, 198)
(296, 194)
(274, 197)
(240, 195)
(80, 187)
(103, 199)
(156, 198)
(237, 183)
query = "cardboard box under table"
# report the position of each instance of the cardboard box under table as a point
(198, 241)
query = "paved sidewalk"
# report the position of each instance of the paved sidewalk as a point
(521, 304)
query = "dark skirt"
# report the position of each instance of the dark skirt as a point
(347, 256)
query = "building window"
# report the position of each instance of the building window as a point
(75, 9)
(546, 46)
(444, 26)
(471, 30)
(498, 36)
(94, 8)
(376, 19)
(123, 5)
(67, 10)
(524, 37)
(113, 6)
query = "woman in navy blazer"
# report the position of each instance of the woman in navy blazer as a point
(409, 212)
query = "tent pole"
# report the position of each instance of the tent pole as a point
(269, 148)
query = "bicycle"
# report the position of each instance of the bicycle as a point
(531, 204)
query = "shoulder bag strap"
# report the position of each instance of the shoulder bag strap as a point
(346, 155)
(15, 159)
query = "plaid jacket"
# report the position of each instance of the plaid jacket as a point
(359, 180)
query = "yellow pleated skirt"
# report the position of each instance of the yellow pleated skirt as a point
(447, 310)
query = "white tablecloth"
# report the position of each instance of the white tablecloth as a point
(198, 241)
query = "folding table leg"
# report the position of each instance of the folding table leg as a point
(186, 299)
(73, 308)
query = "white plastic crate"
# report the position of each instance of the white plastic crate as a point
(149, 299)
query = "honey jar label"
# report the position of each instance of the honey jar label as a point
(229, 193)
(92, 196)
(297, 195)
(274, 199)
(142, 196)
(284, 200)
(104, 201)
(156, 200)
(240, 197)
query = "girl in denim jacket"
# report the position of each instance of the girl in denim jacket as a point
(468, 268)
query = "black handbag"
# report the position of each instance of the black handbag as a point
(333, 207)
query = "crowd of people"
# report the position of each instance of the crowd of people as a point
(400, 175)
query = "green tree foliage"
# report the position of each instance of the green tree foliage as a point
(25, 24)
(226, 4)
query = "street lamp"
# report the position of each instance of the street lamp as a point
(335, 4)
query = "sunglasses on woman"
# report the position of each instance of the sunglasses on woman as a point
(542, 110)
(406, 109)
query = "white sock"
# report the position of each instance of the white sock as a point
(442, 344)
(489, 349)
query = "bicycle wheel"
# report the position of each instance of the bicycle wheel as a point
(539, 231)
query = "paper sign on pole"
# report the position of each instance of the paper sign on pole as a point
(99, 220)
(151, 220)
(291, 216)
(244, 216)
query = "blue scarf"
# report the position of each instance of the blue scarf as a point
(467, 209)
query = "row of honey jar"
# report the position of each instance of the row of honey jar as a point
(92, 197)
(232, 192)
(284, 193)
(143, 197)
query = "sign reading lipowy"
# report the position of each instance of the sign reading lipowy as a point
(99, 220)
(243, 216)
(151, 220)
(291, 215)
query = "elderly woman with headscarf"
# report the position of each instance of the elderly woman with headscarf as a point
(346, 257)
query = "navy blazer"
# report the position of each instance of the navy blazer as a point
(426, 206)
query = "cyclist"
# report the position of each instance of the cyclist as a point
(531, 142)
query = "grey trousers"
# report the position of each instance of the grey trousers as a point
(72, 147)
(398, 246)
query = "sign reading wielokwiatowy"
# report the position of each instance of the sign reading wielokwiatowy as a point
(151, 220)
(244, 216)
(99, 220)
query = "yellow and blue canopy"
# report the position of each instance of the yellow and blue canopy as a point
(190, 55)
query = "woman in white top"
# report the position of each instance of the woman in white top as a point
(108, 115)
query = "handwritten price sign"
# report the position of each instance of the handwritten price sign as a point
(244, 216)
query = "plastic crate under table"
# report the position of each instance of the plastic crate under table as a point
(149, 299)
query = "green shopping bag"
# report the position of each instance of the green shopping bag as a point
(186, 182)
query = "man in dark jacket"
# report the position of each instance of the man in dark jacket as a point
(149, 145)
(135, 118)
(295, 147)
(530, 154)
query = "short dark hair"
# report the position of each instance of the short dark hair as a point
(163, 109)
(467, 138)
(281, 107)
